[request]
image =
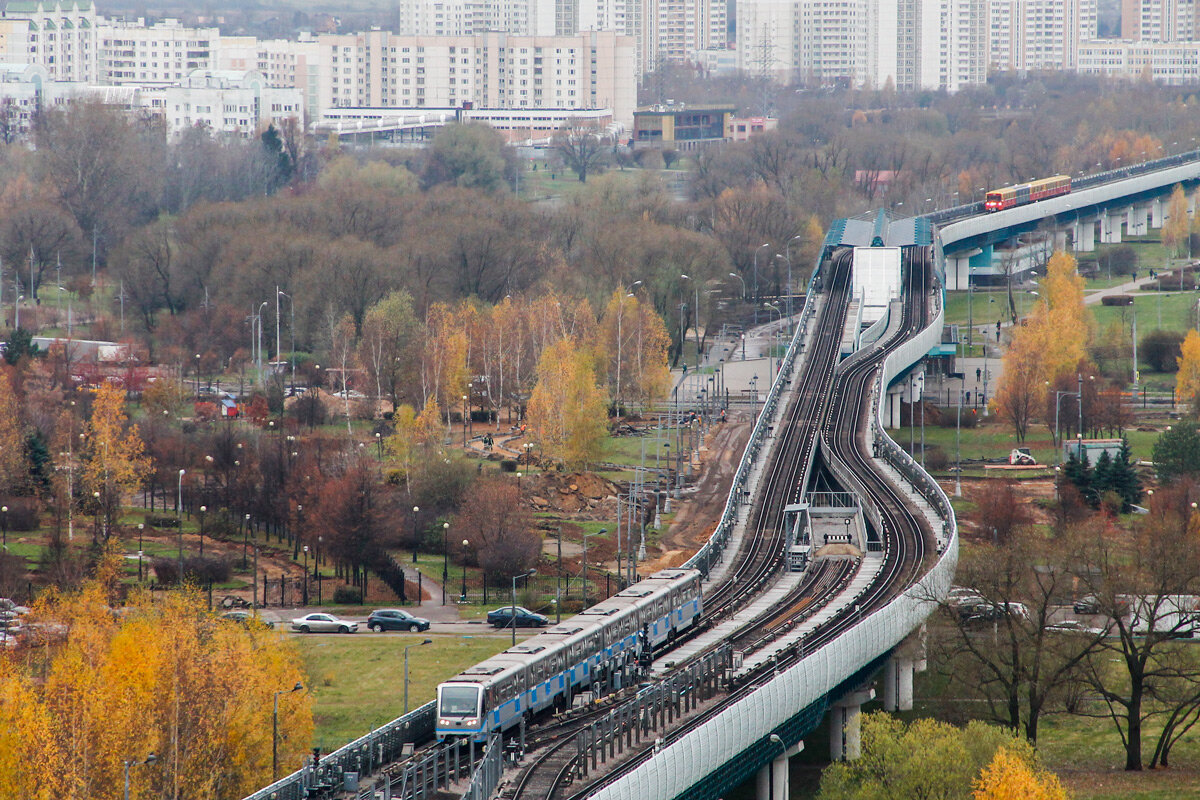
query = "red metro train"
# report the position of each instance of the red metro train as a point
(1021, 194)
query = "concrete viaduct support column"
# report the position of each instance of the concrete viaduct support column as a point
(772, 782)
(1136, 223)
(1110, 227)
(898, 684)
(1156, 213)
(1060, 239)
(1085, 236)
(845, 726)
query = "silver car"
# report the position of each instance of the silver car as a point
(323, 623)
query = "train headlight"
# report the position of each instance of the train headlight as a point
(470, 723)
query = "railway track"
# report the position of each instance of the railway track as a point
(903, 536)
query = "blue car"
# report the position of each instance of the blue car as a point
(516, 616)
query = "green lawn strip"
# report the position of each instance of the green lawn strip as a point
(996, 441)
(358, 682)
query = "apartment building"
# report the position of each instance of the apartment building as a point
(492, 70)
(133, 52)
(1040, 34)
(59, 35)
(1159, 20)
(1171, 63)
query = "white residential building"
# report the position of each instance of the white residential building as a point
(1159, 20)
(133, 52)
(59, 35)
(1172, 63)
(378, 69)
(1040, 34)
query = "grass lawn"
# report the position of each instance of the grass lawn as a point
(1172, 311)
(358, 682)
(996, 440)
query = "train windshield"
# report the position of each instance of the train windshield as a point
(458, 701)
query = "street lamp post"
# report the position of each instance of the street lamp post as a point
(512, 619)
(133, 762)
(141, 528)
(462, 598)
(275, 730)
(306, 575)
(465, 412)
(415, 510)
(406, 649)
(585, 583)
(445, 558)
(245, 539)
(4, 524)
(791, 292)
(179, 519)
(203, 510)
(756, 252)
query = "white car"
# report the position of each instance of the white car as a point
(323, 623)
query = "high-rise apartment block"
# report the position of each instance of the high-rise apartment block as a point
(59, 35)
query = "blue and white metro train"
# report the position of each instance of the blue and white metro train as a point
(570, 657)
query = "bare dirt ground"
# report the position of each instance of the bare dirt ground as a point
(700, 511)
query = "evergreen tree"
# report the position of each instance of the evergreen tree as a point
(1177, 452)
(1079, 472)
(1124, 479)
(1102, 476)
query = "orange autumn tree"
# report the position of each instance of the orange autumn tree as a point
(1011, 777)
(631, 351)
(165, 677)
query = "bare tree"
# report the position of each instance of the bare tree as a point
(582, 147)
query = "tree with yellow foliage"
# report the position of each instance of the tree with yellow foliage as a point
(566, 409)
(1011, 777)
(1177, 225)
(1052, 341)
(13, 467)
(631, 351)
(1187, 382)
(415, 433)
(165, 677)
(114, 456)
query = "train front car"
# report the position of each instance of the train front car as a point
(460, 711)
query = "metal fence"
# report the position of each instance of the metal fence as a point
(363, 756)
(487, 775)
(711, 552)
(736, 733)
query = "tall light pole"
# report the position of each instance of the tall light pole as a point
(585, 583)
(179, 519)
(512, 619)
(133, 762)
(756, 252)
(445, 558)
(406, 649)
(788, 255)
(291, 325)
(415, 510)
(462, 598)
(742, 281)
(275, 730)
(4, 525)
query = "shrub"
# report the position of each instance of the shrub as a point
(1160, 349)
(22, 514)
(198, 570)
(1117, 300)
(347, 596)
(936, 458)
(161, 522)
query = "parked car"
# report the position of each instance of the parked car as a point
(394, 619)
(516, 616)
(962, 596)
(9, 605)
(246, 618)
(1074, 626)
(323, 623)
